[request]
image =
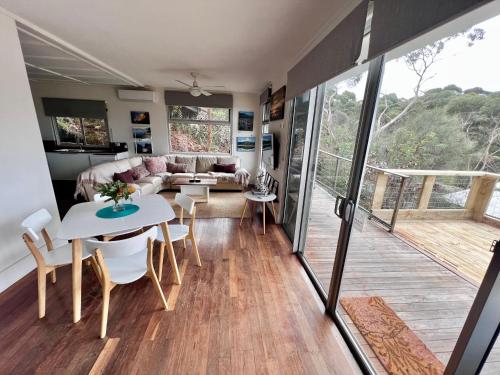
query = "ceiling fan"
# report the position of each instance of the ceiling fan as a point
(196, 90)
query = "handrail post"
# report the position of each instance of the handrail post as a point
(480, 193)
(336, 175)
(379, 192)
(402, 187)
(426, 192)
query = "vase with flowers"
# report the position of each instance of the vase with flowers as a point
(116, 191)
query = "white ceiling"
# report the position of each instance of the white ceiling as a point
(240, 44)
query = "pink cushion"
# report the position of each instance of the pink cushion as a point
(177, 168)
(155, 165)
(225, 168)
(140, 172)
(127, 176)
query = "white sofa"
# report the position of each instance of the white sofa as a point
(200, 166)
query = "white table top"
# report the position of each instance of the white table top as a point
(259, 198)
(81, 221)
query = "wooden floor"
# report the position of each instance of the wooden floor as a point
(431, 299)
(250, 309)
(462, 244)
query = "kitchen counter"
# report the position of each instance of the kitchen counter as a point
(67, 164)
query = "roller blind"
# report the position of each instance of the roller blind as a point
(398, 21)
(336, 53)
(185, 98)
(74, 108)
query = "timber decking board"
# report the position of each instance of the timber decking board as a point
(431, 299)
(249, 309)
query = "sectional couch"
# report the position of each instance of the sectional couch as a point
(200, 166)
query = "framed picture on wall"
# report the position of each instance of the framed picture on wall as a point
(278, 104)
(139, 117)
(245, 121)
(141, 132)
(245, 144)
(143, 146)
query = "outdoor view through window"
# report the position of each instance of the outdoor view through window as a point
(198, 129)
(435, 149)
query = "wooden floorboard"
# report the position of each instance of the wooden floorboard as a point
(432, 299)
(250, 309)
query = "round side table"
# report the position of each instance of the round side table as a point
(250, 196)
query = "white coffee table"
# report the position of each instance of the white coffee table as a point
(199, 191)
(250, 196)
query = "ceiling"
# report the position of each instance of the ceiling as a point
(240, 44)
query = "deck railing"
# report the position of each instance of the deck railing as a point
(392, 194)
(333, 175)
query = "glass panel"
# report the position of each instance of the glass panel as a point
(339, 125)
(178, 112)
(435, 144)
(200, 137)
(493, 361)
(96, 132)
(299, 128)
(69, 129)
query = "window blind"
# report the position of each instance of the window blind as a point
(74, 108)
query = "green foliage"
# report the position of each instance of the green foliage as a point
(115, 190)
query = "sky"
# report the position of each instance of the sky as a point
(466, 67)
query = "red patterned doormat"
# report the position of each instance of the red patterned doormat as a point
(397, 347)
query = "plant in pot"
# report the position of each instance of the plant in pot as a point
(116, 191)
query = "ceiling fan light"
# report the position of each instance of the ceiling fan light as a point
(195, 91)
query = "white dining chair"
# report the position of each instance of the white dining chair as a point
(123, 262)
(106, 237)
(49, 254)
(180, 231)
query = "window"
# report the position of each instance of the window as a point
(89, 132)
(200, 129)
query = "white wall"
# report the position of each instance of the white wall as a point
(119, 114)
(26, 184)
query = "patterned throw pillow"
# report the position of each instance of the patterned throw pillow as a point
(177, 168)
(155, 165)
(140, 172)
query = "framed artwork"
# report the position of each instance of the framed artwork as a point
(141, 132)
(245, 144)
(278, 104)
(143, 146)
(139, 117)
(245, 121)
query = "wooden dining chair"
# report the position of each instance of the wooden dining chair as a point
(123, 262)
(181, 231)
(109, 236)
(48, 254)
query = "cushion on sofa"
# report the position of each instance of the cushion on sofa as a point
(181, 175)
(204, 175)
(177, 168)
(225, 168)
(229, 160)
(155, 165)
(140, 171)
(189, 160)
(223, 177)
(127, 176)
(135, 161)
(169, 158)
(147, 188)
(205, 163)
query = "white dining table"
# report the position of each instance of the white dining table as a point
(81, 222)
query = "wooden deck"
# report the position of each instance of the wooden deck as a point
(433, 300)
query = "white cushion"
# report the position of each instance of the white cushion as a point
(125, 270)
(164, 176)
(155, 180)
(62, 255)
(177, 232)
(175, 175)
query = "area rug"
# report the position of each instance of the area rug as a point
(222, 204)
(397, 347)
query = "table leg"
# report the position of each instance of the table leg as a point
(170, 253)
(274, 212)
(264, 216)
(244, 210)
(77, 279)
